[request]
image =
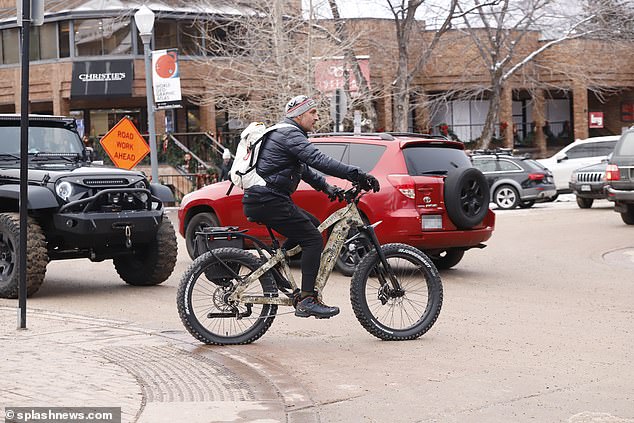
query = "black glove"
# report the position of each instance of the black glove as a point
(334, 193)
(368, 182)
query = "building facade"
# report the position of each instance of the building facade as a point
(94, 37)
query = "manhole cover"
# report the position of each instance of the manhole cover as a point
(621, 257)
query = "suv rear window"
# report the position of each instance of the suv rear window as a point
(626, 145)
(365, 156)
(421, 160)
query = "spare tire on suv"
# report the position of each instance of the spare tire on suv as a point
(467, 197)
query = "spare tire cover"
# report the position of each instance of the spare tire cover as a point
(467, 196)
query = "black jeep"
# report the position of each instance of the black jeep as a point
(78, 209)
(619, 176)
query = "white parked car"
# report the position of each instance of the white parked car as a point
(575, 155)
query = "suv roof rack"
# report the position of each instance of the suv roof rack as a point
(387, 136)
(493, 152)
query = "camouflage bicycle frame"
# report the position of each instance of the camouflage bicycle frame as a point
(342, 219)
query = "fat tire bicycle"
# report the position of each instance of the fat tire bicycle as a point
(230, 296)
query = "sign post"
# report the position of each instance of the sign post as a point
(124, 145)
(25, 18)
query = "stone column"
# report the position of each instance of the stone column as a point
(506, 116)
(17, 96)
(580, 111)
(159, 123)
(208, 118)
(61, 105)
(539, 118)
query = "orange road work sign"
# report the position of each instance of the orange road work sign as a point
(124, 144)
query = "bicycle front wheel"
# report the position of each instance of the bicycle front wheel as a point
(203, 298)
(396, 313)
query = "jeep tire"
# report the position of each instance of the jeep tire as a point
(628, 215)
(467, 197)
(152, 263)
(37, 257)
(584, 203)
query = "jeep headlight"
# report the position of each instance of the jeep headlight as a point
(64, 190)
(141, 195)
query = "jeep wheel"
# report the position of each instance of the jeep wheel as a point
(628, 216)
(447, 259)
(584, 203)
(467, 197)
(153, 263)
(37, 256)
(197, 224)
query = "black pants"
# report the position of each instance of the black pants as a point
(298, 226)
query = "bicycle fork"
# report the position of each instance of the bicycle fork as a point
(390, 286)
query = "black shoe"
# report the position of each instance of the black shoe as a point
(310, 306)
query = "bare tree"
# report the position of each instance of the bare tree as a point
(249, 70)
(364, 95)
(501, 34)
(410, 64)
(259, 54)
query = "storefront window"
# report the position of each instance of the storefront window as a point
(10, 46)
(104, 36)
(190, 38)
(224, 39)
(34, 43)
(165, 35)
(48, 41)
(64, 39)
(193, 119)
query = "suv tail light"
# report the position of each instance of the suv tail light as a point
(404, 184)
(612, 173)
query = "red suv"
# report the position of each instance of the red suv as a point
(431, 197)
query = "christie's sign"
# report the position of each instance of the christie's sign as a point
(99, 78)
(91, 77)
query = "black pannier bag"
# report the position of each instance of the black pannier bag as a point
(217, 237)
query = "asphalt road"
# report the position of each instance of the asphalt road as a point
(535, 327)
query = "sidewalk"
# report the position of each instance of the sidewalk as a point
(65, 360)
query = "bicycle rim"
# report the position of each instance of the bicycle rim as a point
(397, 315)
(203, 301)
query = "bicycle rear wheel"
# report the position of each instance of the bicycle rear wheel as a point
(396, 314)
(203, 299)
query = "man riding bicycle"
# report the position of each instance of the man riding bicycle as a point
(285, 158)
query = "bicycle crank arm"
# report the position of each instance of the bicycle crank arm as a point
(232, 315)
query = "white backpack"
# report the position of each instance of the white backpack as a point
(243, 173)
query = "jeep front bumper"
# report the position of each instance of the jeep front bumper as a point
(91, 223)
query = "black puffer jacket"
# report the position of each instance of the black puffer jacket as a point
(285, 156)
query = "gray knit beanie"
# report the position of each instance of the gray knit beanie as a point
(299, 105)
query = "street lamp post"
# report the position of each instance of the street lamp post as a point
(144, 19)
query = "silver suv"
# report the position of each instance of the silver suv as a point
(619, 176)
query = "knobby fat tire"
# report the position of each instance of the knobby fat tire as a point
(191, 278)
(432, 281)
